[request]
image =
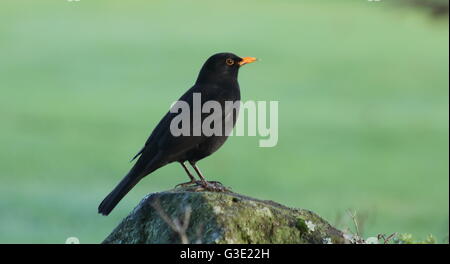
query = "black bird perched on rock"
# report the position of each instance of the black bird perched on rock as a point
(217, 81)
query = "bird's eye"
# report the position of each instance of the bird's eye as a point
(230, 61)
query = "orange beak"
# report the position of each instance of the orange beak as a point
(247, 60)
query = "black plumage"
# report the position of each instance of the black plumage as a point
(216, 81)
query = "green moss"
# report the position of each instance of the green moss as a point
(301, 225)
(409, 239)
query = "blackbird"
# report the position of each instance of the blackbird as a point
(217, 81)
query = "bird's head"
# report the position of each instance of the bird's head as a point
(222, 66)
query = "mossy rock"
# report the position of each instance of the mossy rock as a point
(221, 218)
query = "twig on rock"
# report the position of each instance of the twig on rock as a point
(174, 223)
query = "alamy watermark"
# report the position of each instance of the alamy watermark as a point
(214, 118)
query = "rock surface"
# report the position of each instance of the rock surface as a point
(192, 215)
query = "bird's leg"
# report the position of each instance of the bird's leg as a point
(205, 184)
(190, 177)
(199, 173)
(188, 172)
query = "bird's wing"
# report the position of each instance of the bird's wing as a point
(138, 154)
(161, 137)
(157, 130)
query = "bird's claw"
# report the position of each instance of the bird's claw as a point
(214, 186)
(215, 183)
(184, 184)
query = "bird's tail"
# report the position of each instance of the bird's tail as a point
(108, 204)
(139, 170)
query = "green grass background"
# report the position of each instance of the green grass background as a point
(363, 112)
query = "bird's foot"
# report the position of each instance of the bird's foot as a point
(216, 183)
(213, 186)
(184, 184)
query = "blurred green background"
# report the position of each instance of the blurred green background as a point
(362, 86)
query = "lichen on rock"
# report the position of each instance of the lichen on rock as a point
(220, 218)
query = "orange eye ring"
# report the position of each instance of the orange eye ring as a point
(229, 62)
